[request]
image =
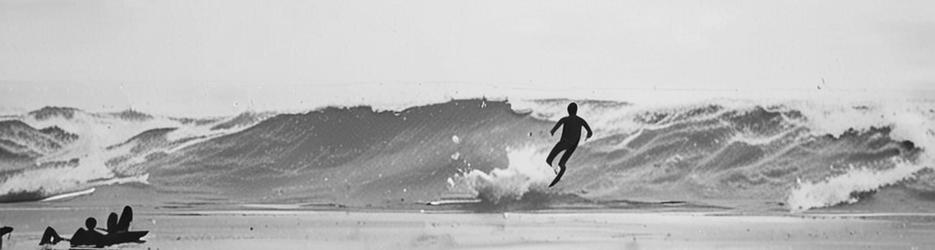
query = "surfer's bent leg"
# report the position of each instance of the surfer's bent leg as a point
(555, 150)
(568, 151)
(112, 223)
(50, 237)
(560, 173)
(569, 148)
(125, 218)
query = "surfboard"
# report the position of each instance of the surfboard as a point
(69, 195)
(125, 237)
(453, 201)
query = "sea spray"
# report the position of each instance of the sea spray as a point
(526, 171)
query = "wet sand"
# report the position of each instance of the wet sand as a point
(256, 229)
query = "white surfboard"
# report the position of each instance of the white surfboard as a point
(69, 195)
(453, 201)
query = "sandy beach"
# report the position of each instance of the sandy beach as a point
(255, 229)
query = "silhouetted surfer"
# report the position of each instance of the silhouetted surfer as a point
(571, 134)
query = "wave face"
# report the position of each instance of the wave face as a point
(750, 155)
(355, 156)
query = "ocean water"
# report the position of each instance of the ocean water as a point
(749, 155)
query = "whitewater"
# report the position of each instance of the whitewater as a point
(106, 145)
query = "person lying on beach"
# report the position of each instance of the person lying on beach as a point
(82, 237)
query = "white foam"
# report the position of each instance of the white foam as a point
(841, 189)
(526, 171)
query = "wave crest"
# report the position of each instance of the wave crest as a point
(846, 188)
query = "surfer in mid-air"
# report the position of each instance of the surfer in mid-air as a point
(571, 134)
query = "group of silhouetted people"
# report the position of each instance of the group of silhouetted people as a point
(90, 236)
(117, 231)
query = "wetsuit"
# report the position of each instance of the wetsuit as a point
(571, 135)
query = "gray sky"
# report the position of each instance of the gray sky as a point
(224, 56)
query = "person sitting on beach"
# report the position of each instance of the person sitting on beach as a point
(82, 237)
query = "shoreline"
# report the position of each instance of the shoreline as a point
(250, 229)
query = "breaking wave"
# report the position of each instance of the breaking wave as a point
(910, 122)
(101, 148)
(793, 155)
(817, 154)
(846, 188)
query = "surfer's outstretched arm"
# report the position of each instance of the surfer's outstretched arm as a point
(585, 124)
(558, 124)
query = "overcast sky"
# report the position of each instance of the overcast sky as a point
(224, 56)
